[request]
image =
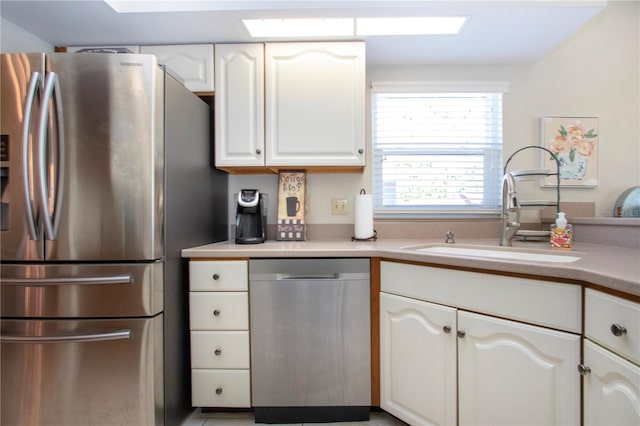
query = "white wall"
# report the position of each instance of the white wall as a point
(594, 73)
(14, 39)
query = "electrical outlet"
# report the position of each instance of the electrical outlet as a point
(339, 206)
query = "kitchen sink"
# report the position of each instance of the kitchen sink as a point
(491, 252)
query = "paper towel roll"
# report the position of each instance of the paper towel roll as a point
(363, 215)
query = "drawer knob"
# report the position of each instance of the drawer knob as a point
(461, 334)
(583, 369)
(217, 351)
(219, 391)
(446, 329)
(618, 330)
(216, 313)
(216, 277)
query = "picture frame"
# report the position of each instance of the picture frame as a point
(291, 225)
(576, 143)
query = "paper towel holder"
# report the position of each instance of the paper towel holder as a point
(374, 237)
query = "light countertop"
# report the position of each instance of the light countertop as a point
(615, 268)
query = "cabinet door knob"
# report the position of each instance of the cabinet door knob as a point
(583, 369)
(618, 330)
(216, 277)
(446, 329)
(216, 313)
(218, 391)
(360, 151)
(461, 334)
(258, 151)
(217, 351)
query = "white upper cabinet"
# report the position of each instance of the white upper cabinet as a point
(239, 105)
(192, 62)
(315, 95)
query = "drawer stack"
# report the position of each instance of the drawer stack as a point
(219, 324)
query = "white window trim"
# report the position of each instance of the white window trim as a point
(440, 86)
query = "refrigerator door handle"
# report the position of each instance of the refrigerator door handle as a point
(26, 130)
(51, 83)
(115, 279)
(60, 156)
(79, 338)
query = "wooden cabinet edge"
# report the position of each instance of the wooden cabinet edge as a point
(266, 170)
(375, 330)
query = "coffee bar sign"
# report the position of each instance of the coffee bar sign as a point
(291, 210)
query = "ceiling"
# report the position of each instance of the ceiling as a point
(497, 32)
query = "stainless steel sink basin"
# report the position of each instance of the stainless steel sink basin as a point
(490, 252)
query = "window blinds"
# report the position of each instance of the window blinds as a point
(437, 150)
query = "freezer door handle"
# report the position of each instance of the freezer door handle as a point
(50, 220)
(114, 279)
(78, 338)
(26, 130)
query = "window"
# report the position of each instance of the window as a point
(437, 148)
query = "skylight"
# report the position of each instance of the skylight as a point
(311, 27)
(323, 27)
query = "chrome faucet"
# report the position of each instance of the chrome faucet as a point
(509, 204)
(450, 238)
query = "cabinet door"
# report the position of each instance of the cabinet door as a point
(611, 388)
(315, 95)
(513, 373)
(239, 105)
(192, 62)
(417, 360)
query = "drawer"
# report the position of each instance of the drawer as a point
(219, 311)
(220, 349)
(223, 275)
(604, 312)
(539, 302)
(220, 388)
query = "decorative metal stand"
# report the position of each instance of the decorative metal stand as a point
(371, 238)
(522, 174)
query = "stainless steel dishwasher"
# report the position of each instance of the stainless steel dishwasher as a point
(310, 340)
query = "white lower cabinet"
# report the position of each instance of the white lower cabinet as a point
(511, 373)
(611, 388)
(221, 388)
(418, 360)
(611, 365)
(219, 323)
(444, 364)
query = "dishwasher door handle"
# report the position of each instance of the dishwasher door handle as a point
(281, 277)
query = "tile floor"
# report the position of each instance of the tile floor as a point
(198, 418)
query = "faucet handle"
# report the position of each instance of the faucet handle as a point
(450, 239)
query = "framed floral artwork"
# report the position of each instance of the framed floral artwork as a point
(575, 142)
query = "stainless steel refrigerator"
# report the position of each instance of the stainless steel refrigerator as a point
(106, 175)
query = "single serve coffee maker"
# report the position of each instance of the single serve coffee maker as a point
(251, 216)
